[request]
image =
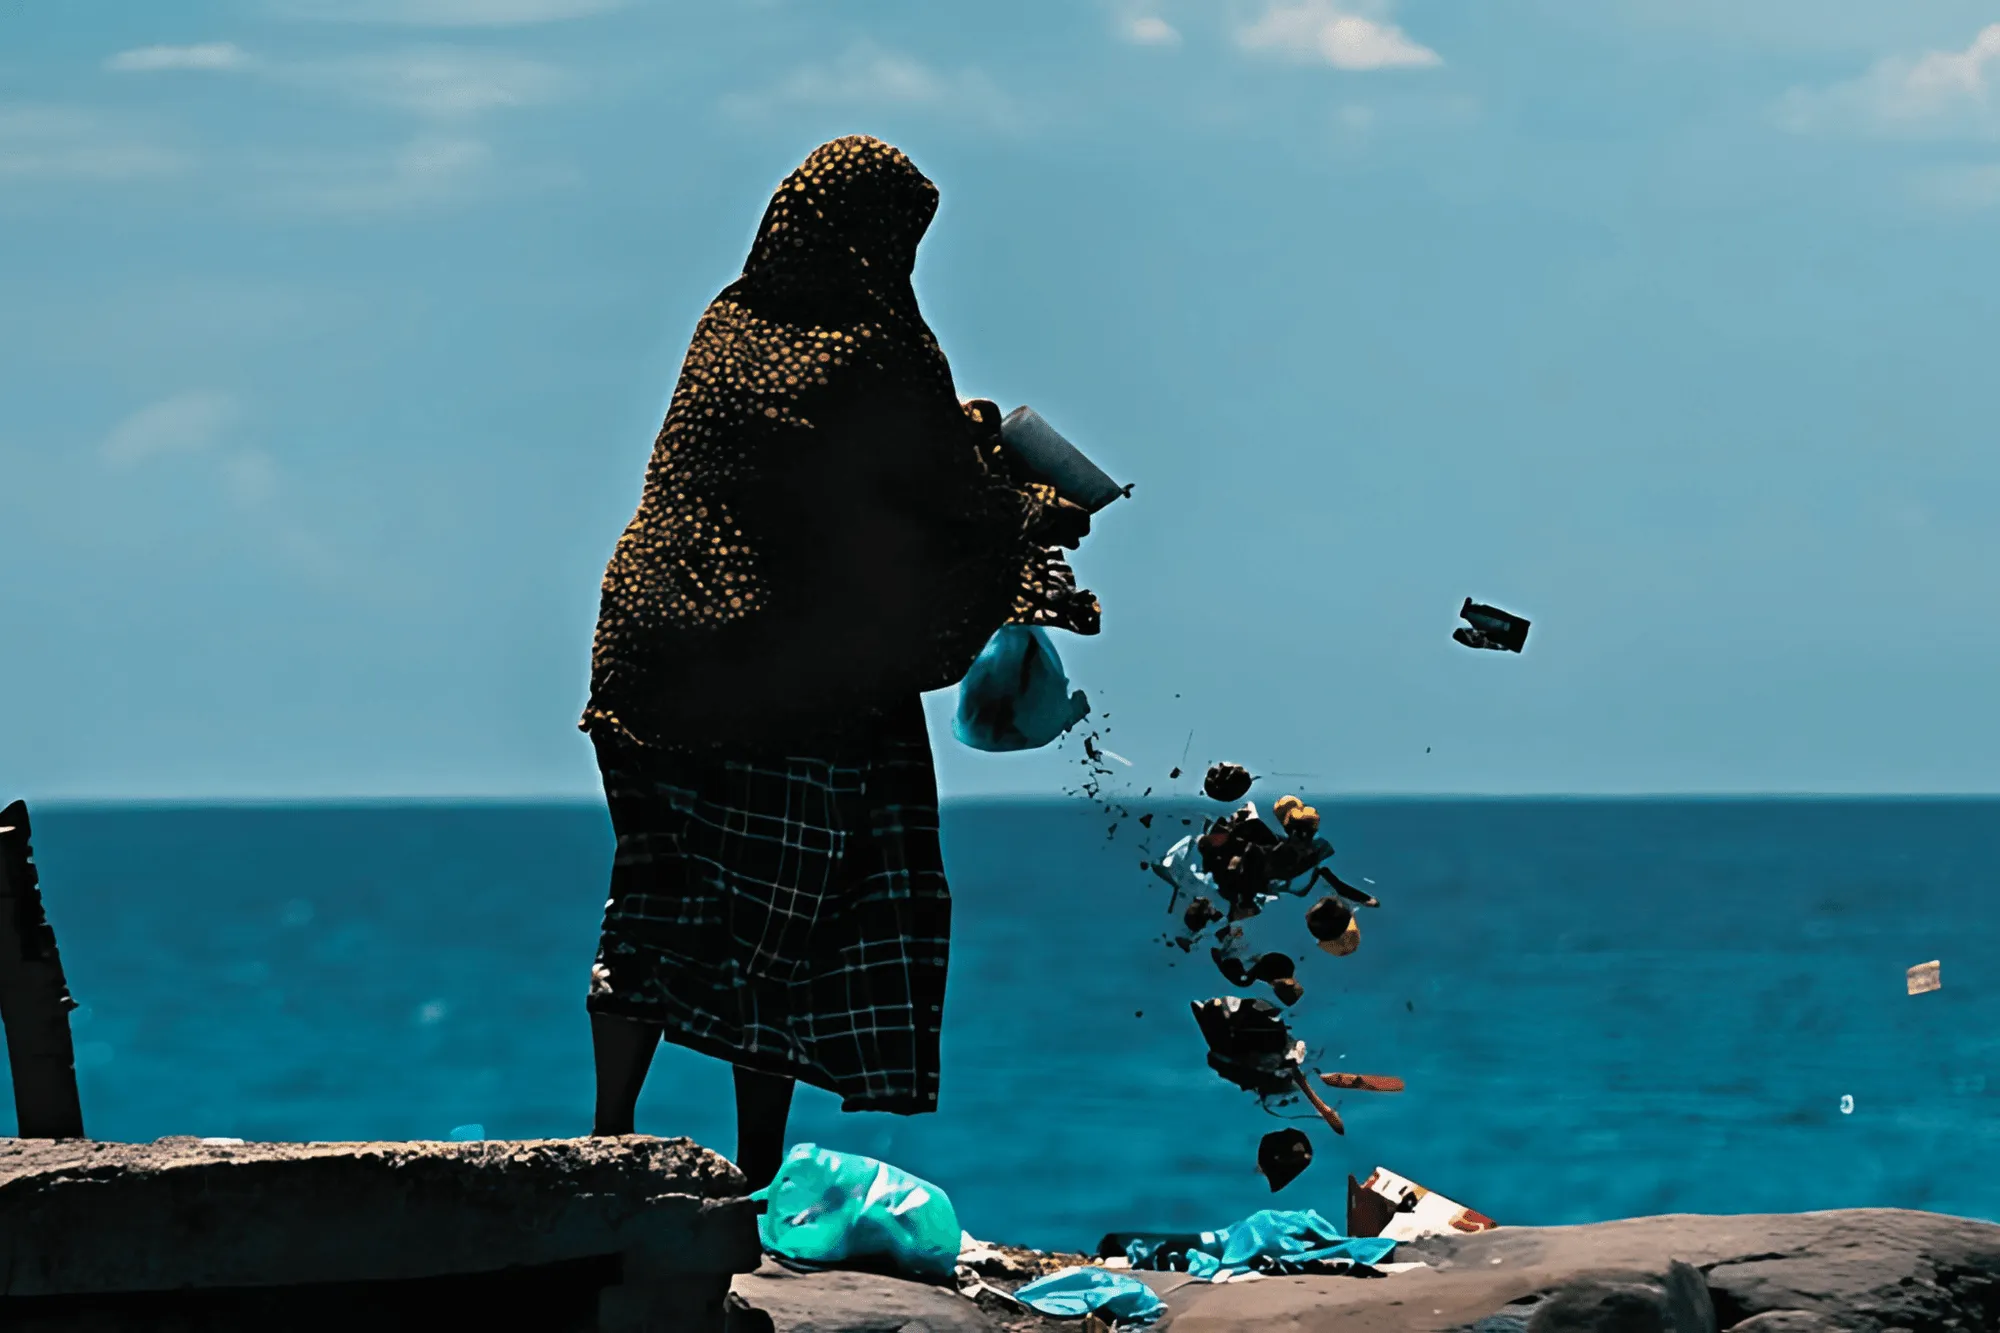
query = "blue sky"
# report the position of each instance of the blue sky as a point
(338, 331)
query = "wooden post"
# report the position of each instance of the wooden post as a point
(34, 999)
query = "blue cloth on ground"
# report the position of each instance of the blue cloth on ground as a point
(1015, 696)
(1076, 1292)
(1265, 1240)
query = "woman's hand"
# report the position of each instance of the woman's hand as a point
(1063, 524)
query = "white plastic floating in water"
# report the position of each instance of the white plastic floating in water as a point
(1924, 977)
(468, 1134)
(1847, 1103)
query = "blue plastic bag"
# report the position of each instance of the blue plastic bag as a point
(827, 1208)
(1076, 1292)
(1272, 1236)
(1016, 696)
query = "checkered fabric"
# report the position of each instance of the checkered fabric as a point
(787, 915)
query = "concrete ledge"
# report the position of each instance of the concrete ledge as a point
(641, 1231)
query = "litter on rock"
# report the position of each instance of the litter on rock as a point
(1924, 977)
(1269, 1242)
(1076, 1292)
(1490, 627)
(1282, 1155)
(1396, 1208)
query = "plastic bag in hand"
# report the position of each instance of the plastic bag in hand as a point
(1016, 696)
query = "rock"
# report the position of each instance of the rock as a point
(1673, 1301)
(1857, 1271)
(1790, 1321)
(857, 1303)
(629, 1232)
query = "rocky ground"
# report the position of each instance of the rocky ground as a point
(1860, 1271)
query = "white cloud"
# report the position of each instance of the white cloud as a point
(1321, 31)
(443, 83)
(428, 172)
(1943, 94)
(66, 144)
(187, 423)
(1149, 30)
(868, 76)
(447, 13)
(208, 56)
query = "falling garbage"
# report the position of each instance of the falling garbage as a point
(1332, 923)
(1924, 977)
(1226, 782)
(1250, 1045)
(1282, 1155)
(1363, 1082)
(1490, 627)
(1288, 990)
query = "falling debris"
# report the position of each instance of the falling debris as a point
(1288, 991)
(1847, 1103)
(1490, 627)
(1363, 1082)
(1295, 817)
(1226, 782)
(1282, 1155)
(1332, 923)
(1200, 915)
(1924, 977)
(1249, 1044)
(1326, 1113)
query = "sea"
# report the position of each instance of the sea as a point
(1600, 1008)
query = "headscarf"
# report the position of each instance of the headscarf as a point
(824, 526)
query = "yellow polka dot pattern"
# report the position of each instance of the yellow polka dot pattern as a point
(824, 295)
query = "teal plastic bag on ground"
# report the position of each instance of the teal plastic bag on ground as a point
(1294, 1237)
(826, 1209)
(1076, 1292)
(1016, 696)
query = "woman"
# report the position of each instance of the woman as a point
(826, 532)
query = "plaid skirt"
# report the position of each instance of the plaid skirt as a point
(787, 915)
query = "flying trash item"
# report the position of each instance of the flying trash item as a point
(1047, 457)
(1924, 977)
(1490, 627)
(1282, 1155)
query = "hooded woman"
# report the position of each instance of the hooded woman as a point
(826, 532)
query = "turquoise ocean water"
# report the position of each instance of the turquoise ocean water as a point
(1602, 1008)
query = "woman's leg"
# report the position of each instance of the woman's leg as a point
(763, 1104)
(624, 1049)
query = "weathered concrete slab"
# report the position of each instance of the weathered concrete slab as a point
(660, 1224)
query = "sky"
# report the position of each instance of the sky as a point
(337, 333)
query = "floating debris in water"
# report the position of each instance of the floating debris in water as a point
(1924, 977)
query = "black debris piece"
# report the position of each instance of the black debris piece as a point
(1171, 776)
(1490, 627)
(1271, 967)
(1146, 820)
(1200, 915)
(1282, 1155)
(1231, 967)
(1328, 919)
(1249, 1044)
(1344, 889)
(1288, 991)
(1226, 782)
